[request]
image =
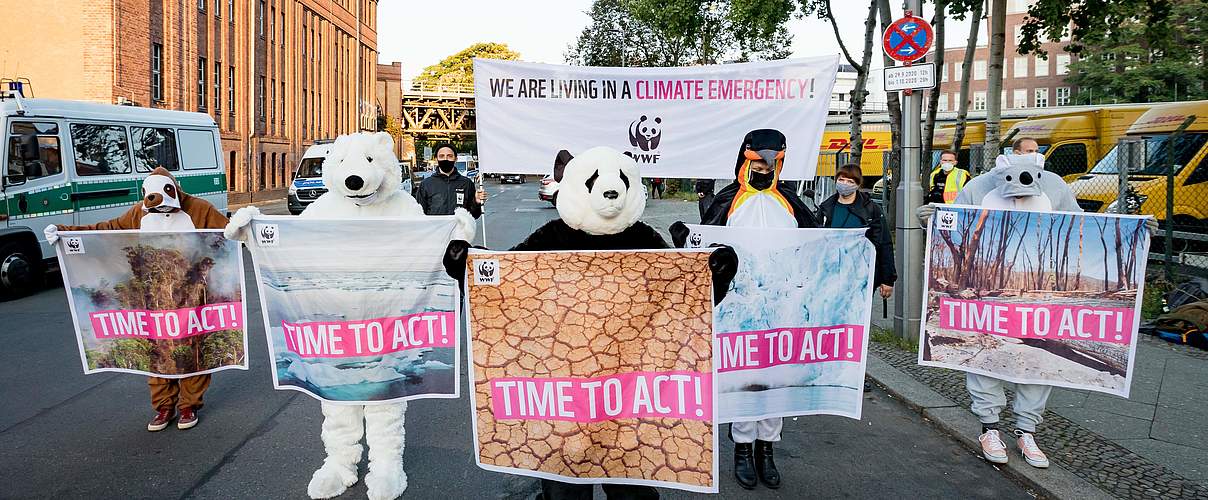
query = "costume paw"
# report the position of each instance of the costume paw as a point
(385, 481)
(52, 234)
(236, 228)
(466, 225)
(924, 214)
(455, 259)
(723, 263)
(679, 233)
(330, 481)
(1150, 223)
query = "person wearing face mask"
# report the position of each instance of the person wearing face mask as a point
(946, 180)
(851, 208)
(446, 189)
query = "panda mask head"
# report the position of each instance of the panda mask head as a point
(1019, 176)
(600, 191)
(362, 167)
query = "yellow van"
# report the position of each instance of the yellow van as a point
(1074, 141)
(975, 133)
(876, 143)
(1096, 191)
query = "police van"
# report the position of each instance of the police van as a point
(76, 163)
(308, 186)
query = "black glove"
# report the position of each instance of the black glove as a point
(679, 234)
(723, 263)
(455, 260)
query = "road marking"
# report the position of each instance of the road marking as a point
(534, 200)
(531, 209)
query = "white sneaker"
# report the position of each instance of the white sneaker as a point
(1031, 452)
(993, 447)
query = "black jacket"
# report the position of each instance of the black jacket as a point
(557, 235)
(870, 216)
(438, 194)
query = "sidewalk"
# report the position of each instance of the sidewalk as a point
(1150, 445)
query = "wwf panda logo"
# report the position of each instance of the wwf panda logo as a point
(645, 134)
(486, 272)
(266, 235)
(694, 240)
(268, 232)
(946, 220)
(74, 245)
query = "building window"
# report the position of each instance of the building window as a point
(979, 101)
(201, 5)
(217, 85)
(231, 90)
(302, 115)
(943, 73)
(260, 98)
(1020, 98)
(272, 24)
(979, 70)
(282, 113)
(1063, 96)
(1018, 33)
(157, 72)
(272, 91)
(1063, 64)
(202, 68)
(260, 18)
(1042, 67)
(231, 11)
(1021, 67)
(1042, 98)
(217, 9)
(942, 105)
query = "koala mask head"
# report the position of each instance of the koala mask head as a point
(1018, 176)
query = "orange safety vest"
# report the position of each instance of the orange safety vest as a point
(952, 184)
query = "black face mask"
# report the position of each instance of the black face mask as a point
(446, 166)
(761, 181)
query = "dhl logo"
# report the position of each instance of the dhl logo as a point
(839, 143)
(1164, 119)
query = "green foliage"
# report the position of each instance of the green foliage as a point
(887, 337)
(459, 68)
(682, 32)
(133, 354)
(1153, 303)
(222, 348)
(1127, 51)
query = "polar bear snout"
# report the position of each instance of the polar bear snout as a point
(354, 182)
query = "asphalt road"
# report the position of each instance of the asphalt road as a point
(66, 435)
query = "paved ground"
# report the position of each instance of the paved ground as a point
(1153, 444)
(66, 435)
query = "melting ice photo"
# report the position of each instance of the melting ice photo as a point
(800, 279)
(340, 272)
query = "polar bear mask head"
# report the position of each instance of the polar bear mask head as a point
(362, 167)
(599, 191)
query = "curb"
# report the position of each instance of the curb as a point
(959, 423)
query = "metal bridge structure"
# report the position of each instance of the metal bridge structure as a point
(434, 111)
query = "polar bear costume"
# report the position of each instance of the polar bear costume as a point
(363, 178)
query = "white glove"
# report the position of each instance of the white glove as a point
(1152, 224)
(924, 214)
(236, 228)
(52, 234)
(466, 225)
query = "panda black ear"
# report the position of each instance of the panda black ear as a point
(564, 157)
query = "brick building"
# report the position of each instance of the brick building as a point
(274, 74)
(1028, 81)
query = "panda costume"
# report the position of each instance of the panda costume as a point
(600, 199)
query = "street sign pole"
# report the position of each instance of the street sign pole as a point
(908, 296)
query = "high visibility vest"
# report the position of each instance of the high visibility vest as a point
(952, 184)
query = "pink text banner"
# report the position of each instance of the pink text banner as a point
(674, 394)
(167, 324)
(371, 337)
(790, 346)
(1038, 321)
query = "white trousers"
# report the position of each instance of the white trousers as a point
(989, 400)
(767, 429)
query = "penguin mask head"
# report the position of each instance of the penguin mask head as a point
(762, 145)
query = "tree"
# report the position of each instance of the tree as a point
(933, 96)
(958, 135)
(682, 32)
(822, 9)
(458, 69)
(1126, 50)
(998, 43)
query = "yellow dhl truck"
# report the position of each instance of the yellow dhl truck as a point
(975, 133)
(1074, 141)
(1097, 191)
(876, 143)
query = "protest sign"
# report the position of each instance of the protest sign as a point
(358, 311)
(793, 330)
(167, 304)
(674, 122)
(594, 367)
(1035, 297)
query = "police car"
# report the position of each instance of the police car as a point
(308, 178)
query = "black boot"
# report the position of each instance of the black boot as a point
(765, 466)
(744, 466)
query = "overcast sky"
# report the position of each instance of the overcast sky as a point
(419, 34)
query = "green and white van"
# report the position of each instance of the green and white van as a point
(70, 162)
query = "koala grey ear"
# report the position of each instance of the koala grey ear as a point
(1002, 161)
(385, 140)
(564, 157)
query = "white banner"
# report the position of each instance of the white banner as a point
(675, 122)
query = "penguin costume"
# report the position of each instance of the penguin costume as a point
(756, 199)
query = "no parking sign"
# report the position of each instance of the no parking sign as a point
(908, 39)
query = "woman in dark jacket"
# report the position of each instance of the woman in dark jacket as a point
(850, 208)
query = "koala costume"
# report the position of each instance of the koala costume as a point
(363, 178)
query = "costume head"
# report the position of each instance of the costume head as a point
(161, 194)
(599, 191)
(1019, 182)
(360, 166)
(765, 145)
(1018, 176)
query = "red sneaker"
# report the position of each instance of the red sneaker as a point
(161, 420)
(188, 418)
